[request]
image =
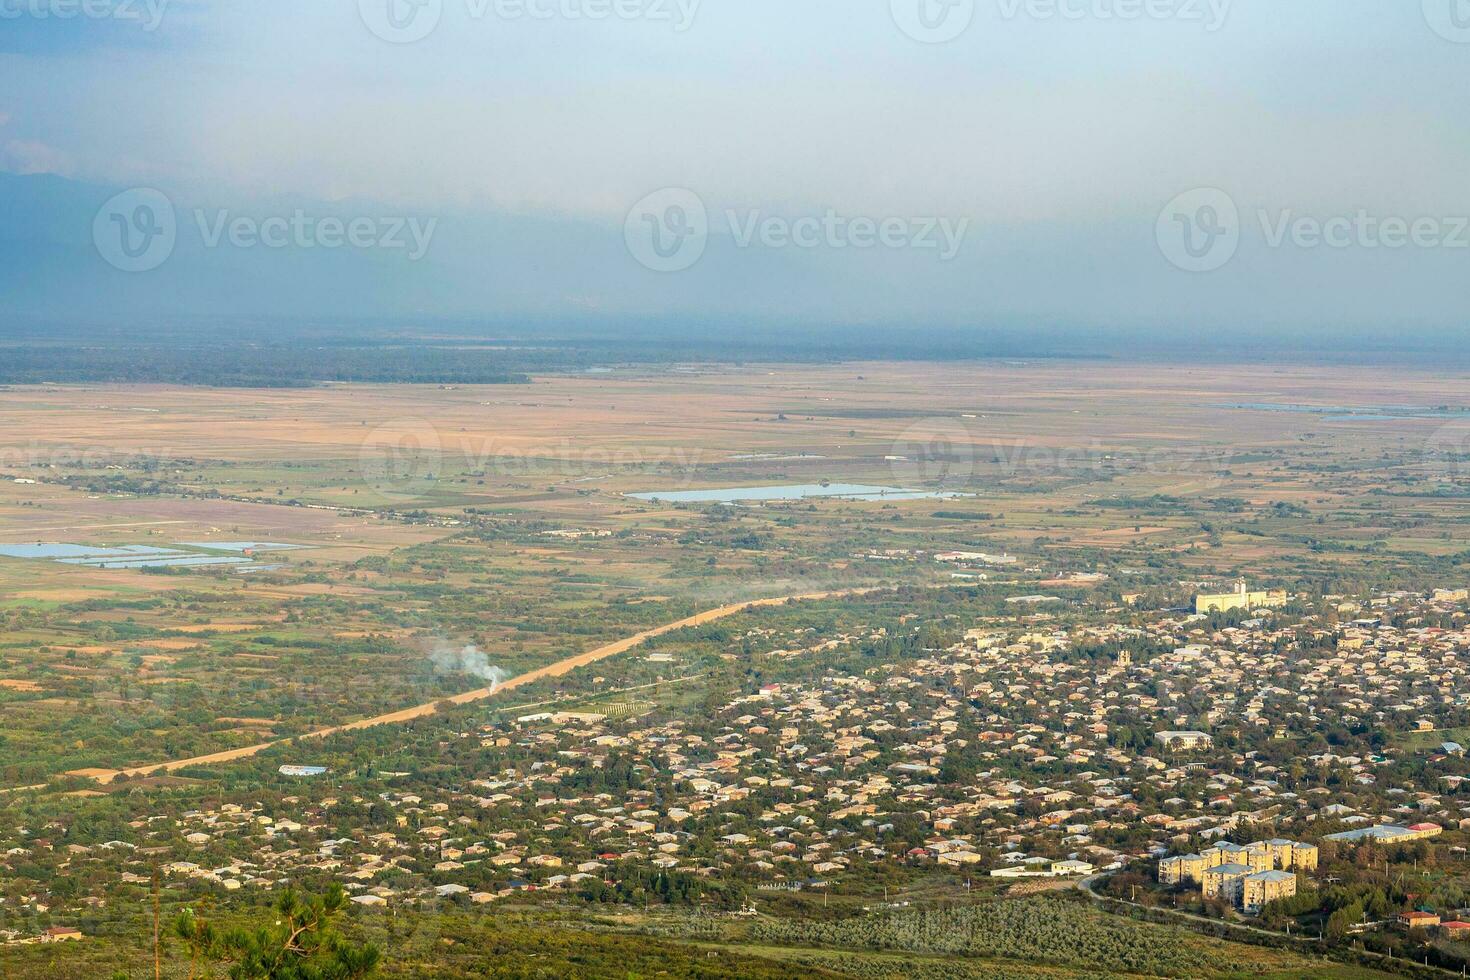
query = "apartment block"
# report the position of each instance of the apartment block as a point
(1265, 886)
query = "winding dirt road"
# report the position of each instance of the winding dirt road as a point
(419, 711)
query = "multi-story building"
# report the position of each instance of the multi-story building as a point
(1246, 875)
(1303, 857)
(1239, 599)
(1224, 881)
(1181, 868)
(1388, 833)
(1184, 740)
(1418, 920)
(1257, 856)
(1267, 855)
(1288, 855)
(1265, 886)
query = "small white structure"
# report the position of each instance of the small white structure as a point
(1184, 740)
(1045, 869)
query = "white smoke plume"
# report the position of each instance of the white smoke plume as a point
(468, 659)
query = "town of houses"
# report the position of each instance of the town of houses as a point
(1050, 744)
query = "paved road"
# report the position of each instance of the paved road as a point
(557, 669)
(1086, 885)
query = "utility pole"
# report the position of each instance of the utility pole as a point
(157, 966)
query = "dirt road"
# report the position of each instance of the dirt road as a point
(419, 711)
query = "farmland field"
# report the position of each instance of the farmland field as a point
(413, 564)
(505, 522)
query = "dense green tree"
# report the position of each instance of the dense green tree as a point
(302, 943)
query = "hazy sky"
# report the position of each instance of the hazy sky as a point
(1048, 135)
